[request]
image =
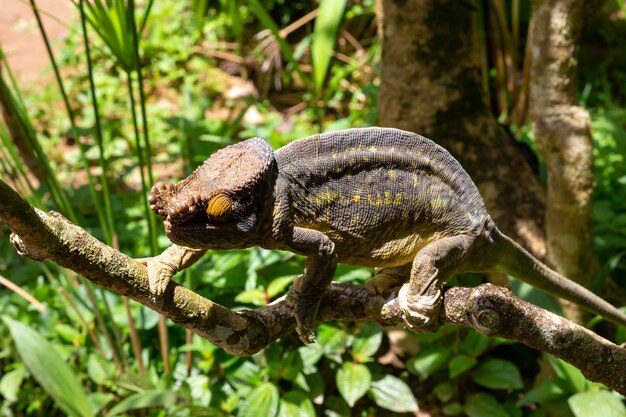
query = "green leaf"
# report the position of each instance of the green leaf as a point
(393, 394)
(311, 354)
(474, 343)
(459, 364)
(261, 401)
(574, 378)
(253, 296)
(68, 333)
(353, 381)
(337, 407)
(290, 367)
(324, 36)
(141, 400)
(428, 361)
(296, 404)
(10, 383)
(452, 409)
(484, 405)
(333, 339)
(498, 374)
(313, 384)
(49, 370)
(546, 390)
(97, 369)
(100, 399)
(596, 403)
(278, 285)
(444, 391)
(366, 343)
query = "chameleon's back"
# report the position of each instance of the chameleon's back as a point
(380, 194)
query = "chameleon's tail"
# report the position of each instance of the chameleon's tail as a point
(518, 262)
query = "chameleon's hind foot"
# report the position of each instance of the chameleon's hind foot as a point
(419, 311)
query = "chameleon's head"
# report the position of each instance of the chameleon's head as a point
(220, 205)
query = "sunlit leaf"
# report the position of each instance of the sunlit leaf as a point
(428, 361)
(596, 403)
(353, 381)
(261, 401)
(366, 343)
(393, 394)
(49, 370)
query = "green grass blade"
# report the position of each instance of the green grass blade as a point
(108, 212)
(324, 37)
(144, 19)
(49, 370)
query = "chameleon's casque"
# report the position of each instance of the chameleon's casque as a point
(376, 197)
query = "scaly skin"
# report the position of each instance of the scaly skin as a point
(375, 197)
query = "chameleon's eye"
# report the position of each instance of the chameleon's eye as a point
(219, 207)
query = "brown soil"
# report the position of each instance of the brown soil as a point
(20, 37)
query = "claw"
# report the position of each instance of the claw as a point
(419, 311)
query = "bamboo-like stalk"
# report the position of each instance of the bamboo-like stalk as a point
(72, 119)
(108, 212)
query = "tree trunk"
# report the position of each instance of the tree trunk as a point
(431, 84)
(563, 133)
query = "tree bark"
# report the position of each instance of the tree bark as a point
(431, 84)
(490, 310)
(563, 134)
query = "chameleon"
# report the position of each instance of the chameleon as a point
(377, 197)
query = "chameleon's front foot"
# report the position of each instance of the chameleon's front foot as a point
(304, 310)
(419, 311)
(162, 268)
(159, 274)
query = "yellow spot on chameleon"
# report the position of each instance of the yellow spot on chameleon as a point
(375, 201)
(415, 180)
(387, 197)
(356, 198)
(324, 198)
(437, 203)
(392, 174)
(372, 149)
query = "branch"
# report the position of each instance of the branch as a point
(491, 310)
